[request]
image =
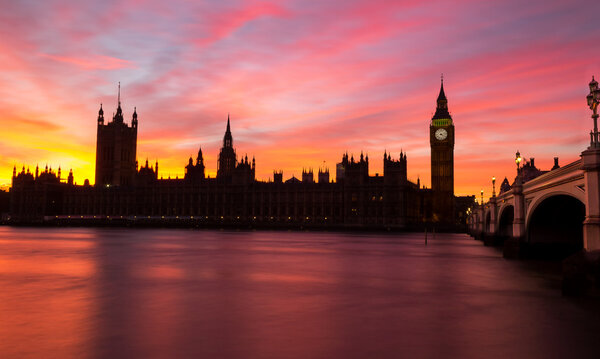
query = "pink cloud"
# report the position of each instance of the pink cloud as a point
(222, 24)
(92, 62)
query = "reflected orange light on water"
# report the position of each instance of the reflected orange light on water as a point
(260, 294)
(50, 292)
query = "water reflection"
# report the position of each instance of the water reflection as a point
(109, 293)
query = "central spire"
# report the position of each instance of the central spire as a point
(228, 139)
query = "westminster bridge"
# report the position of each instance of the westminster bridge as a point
(556, 209)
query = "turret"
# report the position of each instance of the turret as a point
(394, 171)
(307, 176)
(101, 116)
(323, 176)
(134, 120)
(70, 180)
(200, 158)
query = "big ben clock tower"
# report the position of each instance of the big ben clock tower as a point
(441, 140)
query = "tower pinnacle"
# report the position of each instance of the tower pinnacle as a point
(228, 139)
(442, 95)
(118, 117)
(441, 111)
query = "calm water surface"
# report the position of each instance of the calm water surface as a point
(115, 293)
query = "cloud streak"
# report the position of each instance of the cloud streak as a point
(92, 62)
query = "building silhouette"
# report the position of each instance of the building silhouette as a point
(116, 144)
(127, 193)
(441, 140)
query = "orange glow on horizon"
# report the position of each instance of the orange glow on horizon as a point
(301, 89)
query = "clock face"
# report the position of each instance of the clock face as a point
(441, 134)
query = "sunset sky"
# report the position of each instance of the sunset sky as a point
(304, 81)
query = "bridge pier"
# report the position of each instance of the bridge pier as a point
(493, 215)
(480, 232)
(591, 225)
(491, 238)
(513, 246)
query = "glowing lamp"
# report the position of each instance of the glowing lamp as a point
(593, 84)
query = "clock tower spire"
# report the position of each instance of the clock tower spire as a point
(441, 140)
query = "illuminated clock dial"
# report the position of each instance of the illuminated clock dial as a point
(441, 134)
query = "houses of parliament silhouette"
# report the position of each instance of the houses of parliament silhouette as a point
(125, 192)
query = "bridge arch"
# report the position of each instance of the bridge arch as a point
(555, 224)
(506, 217)
(567, 191)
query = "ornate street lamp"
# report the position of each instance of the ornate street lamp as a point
(593, 99)
(482, 197)
(494, 186)
(518, 160)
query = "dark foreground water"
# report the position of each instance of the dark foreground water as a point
(115, 293)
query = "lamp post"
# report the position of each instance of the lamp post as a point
(518, 160)
(482, 198)
(593, 99)
(591, 167)
(494, 186)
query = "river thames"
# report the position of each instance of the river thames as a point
(162, 293)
